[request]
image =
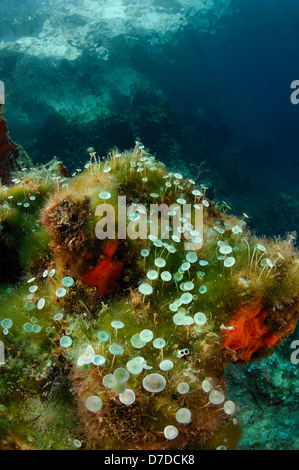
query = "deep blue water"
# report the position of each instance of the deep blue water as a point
(244, 74)
(240, 77)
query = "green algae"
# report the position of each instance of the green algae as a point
(151, 332)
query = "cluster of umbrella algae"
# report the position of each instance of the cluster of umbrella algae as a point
(122, 342)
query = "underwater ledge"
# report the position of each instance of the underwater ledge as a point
(123, 343)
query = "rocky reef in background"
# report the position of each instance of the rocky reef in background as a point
(83, 57)
(80, 75)
(267, 392)
(124, 343)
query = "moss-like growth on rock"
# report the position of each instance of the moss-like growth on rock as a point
(131, 336)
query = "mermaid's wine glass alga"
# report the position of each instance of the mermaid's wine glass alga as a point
(122, 344)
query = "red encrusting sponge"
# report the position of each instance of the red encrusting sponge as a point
(250, 333)
(107, 272)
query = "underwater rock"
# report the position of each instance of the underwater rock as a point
(98, 22)
(123, 342)
(12, 156)
(76, 59)
(266, 392)
(8, 152)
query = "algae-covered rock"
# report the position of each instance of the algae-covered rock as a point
(136, 292)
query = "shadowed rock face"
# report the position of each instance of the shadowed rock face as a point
(8, 152)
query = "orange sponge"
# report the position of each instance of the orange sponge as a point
(107, 272)
(249, 332)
